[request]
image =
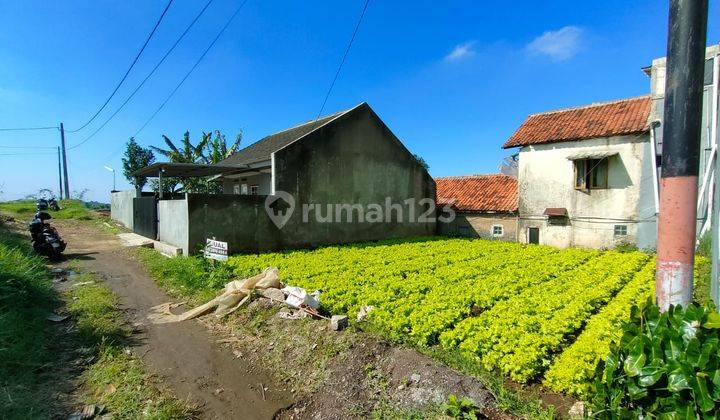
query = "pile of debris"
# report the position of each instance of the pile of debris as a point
(239, 292)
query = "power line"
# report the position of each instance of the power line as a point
(29, 128)
(157, 24)
(146, 77)
(232, 17)
(28, 147)
(347, 51)
(27, 153)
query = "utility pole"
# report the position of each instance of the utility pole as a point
(681, 153)
(64, 161)
(60, 178)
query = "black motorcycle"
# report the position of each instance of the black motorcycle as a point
(53, 204)
(45, 239)
(43, 204)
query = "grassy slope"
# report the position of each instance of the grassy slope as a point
(29, 344)
(27, 340)
(69, 209)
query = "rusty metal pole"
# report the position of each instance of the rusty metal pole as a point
(681, 153)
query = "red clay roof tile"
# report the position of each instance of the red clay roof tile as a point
(626, 116)
(483, 193)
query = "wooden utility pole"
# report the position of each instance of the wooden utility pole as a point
(677, 223)
(64, 161)
(60, 177)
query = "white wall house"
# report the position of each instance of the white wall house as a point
(588, 176)
(580, 178)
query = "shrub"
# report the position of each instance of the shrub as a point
(665, 365)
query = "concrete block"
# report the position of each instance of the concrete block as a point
(133, 239)
(338, 322)
(167, 249)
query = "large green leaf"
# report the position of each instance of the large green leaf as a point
(636, 358)
(678, 380)
(713, 320)
(635, 392)
(702, 396)
(651, 373)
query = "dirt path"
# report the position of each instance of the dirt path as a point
(189, 359)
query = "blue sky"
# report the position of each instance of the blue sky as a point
(452, 79)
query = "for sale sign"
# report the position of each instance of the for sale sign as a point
(216, 250)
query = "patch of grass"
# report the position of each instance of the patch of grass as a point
(193, 278)
(70, 210)
(703, 271)
(30, 345)
(28, 342)
(526, 406)
(116, 379)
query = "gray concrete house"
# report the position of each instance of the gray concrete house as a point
(485, 206)
(343, 178)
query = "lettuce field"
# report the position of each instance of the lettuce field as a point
(534, 313)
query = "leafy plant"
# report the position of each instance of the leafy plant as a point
(207, 151)
(462, 408)
(136, 157)
(665, 365)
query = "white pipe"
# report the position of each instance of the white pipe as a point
(708, 219)
(653, 152)
(708, 171)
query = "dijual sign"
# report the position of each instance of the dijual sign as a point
(216, 250)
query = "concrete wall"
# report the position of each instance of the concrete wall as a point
(239, 220)
(173, 227)
(121, 207)
(547, 180)
(480, 225)
(356, 160)
(263, 181)
(657, 92)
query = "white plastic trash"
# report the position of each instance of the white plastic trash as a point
(297, 296)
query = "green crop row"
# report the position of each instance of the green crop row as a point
(514, 306)
(573, 370)
(519, 334)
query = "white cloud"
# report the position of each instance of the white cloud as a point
(461, 51)
(558, 45)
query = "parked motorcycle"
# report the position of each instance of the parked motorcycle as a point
(45, 239)
(53, 204)
(43, 204)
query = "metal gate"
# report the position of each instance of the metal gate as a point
(145, 216)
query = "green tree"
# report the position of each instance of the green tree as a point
(209, 150)
(421, 161)
(136, 157)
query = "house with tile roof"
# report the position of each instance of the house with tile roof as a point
(485, 206)
(588, 176)
(581, 174)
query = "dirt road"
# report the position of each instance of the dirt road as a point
(185, 355)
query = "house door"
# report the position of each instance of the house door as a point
(534, 235)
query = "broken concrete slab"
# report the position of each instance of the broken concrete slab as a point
(134, 240)
(338, 322)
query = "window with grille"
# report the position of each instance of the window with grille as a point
(620, 230)
(497, 230)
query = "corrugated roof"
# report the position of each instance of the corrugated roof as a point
(622, 117)
(482, 193)
(263, 148)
